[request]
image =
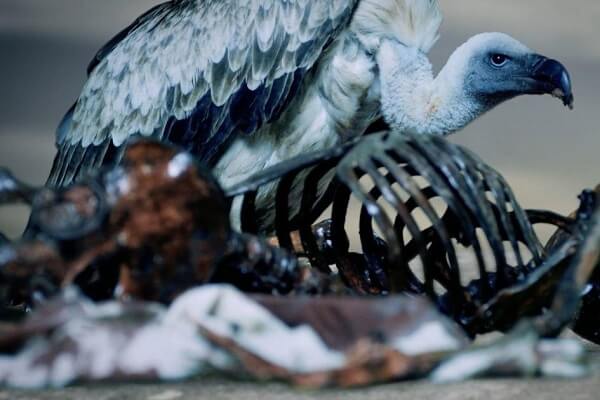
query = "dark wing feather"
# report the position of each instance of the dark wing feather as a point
(196, 73)
(64, 127)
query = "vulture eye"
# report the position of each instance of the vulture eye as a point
(498, 60)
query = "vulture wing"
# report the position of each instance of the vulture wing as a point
(195, 72)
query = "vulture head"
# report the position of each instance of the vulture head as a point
(487, 70)
(494, 67)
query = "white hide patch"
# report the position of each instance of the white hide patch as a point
(431, 337)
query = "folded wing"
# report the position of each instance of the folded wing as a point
(197, 73)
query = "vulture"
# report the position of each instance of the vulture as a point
(246, 84)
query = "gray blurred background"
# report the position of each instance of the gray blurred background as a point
(546, 152)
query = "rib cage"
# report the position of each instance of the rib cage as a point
(476, 198)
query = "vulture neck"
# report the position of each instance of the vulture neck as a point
(413, 101)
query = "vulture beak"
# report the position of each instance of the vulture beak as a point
(553, 79)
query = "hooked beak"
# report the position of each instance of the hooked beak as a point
(553, 79)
